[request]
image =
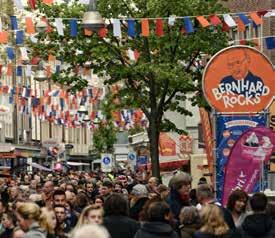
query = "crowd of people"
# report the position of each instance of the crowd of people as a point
(126, 205)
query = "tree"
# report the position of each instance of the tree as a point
(167, 68)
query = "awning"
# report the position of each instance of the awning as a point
(77, 163)
(38, 166)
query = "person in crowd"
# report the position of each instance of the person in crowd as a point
(92, 214)
(106, 189)
(62, 228)
(236, 204)
(33, 186)
(189, 221)
(85, 231)
(205, 195)
(50, 222)
(158, 222)
(180, 185)
(138, 199)
(213, 224)
(116, 218)
(152, 185)
(91, 190)
(8, 222)
(47, 194)
(18, 233)
(14, 194)
(259, 223)
(163, 191)
(81, 202)
(99, 200)
(29, 218)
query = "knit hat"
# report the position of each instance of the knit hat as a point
(139, 190)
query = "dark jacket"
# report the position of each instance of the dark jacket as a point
(137, 208)
(176, 203)
(121, 226)
(156, 230)
(7, 233)
(187, 231)
(257, 225)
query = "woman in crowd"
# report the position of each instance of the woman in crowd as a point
(212, 223)
(29, 219)
(92, 214)
(190, 221)
(236, 204)
(8, 222)
(18, 233)
(48, 221)
(158, 222)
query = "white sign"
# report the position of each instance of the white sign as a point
(106, 162)
(132, 159)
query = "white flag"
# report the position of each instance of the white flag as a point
(59, 26)
(24, 53)
(117, 28)
(131, 55)
(84, 2)
(33, 39)
(229, 20)
(19, 4)
(28, 70)
(171, 20)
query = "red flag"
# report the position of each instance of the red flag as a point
(102, 32)
(32, 4)
(159, 28)
(215, 20)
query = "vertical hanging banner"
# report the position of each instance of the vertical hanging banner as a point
(239, 79)
(106, 162)
(247, 161)
(229, 129)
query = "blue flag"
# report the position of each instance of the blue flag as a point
(188, 25)
(19, 71)
(244, 18)
(270, 43)
(131, 28)
(73, 26)
(10, 53)
(19, 37)
(14, 25)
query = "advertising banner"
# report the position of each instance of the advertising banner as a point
(228, 129)
(247, 161)
(239, 79)
(106, 162)
(167, 146)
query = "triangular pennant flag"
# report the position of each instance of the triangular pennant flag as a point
(215, 20)
(59, 26)
(137, 54)
(19, 37)
(49, 29)
(145, 27)
(188, 25)
(270, 43)
(256, 19)
(73, 27)
(225, 27)
(4, 37)
(10, 53)
(14, 25)
(241, 25)
(244, 19)
(116, 28)
(229, 20)
(131, 55)
(131, 28)
(202, 20)
(48, 2)
(103, 32)
(159, 27)
(32, 4)
(30, 29)
(19, 4)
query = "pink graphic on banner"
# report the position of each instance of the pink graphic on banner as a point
(250, 152)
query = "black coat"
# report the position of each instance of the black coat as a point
(121, 226)
(257, 225)
(187, 231)
(156, 230)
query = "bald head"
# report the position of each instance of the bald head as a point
(48, 187)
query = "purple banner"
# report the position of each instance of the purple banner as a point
(247, 159)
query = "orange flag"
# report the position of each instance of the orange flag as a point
(202, 20)
(87, 32)
(255, 17)
(30, 29)
(9, 70)
(145, 27)
(51, 57)
(4, 37)
(241, 25)
(48, 2)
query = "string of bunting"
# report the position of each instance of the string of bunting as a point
(62, 108)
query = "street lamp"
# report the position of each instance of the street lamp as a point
(40, 74)
(92, 18)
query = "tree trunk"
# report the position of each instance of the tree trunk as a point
(153, 134)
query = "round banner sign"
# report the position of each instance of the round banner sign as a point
(239, 79)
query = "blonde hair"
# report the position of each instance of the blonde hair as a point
(212, 220)
(82, 220)
(45, 217)
(30, 210)
(85, 231)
